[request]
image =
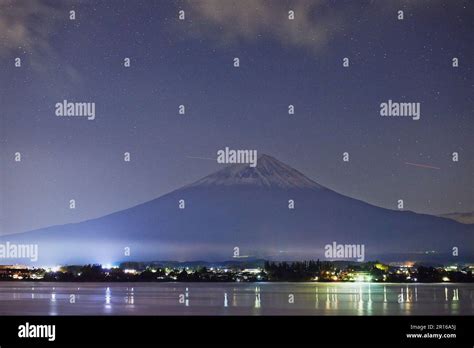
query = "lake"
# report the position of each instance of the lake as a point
(41, 298)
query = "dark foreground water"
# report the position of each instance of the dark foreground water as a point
(38, 298)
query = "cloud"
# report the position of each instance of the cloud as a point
(232, 21)
(26, 31)
(26, 26)
(316, 23)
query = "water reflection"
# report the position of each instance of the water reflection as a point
(316, 305)
(313, 298)
(108, 296)
(53, 305)
(257, 298)
(455, 294)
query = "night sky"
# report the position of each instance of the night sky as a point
(190, 62)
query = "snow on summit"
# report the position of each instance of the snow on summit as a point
(269, 172)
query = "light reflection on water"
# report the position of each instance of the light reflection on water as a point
(236, 299)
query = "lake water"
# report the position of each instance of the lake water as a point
(39, 298)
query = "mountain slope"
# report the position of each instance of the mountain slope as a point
(464, 218)
(246, 207)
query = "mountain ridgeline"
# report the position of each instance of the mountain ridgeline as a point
(244, 211)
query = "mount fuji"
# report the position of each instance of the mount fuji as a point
(248, 208)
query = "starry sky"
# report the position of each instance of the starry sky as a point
(190, 62)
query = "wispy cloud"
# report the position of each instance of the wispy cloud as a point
(26, 26)
(245, 20)
(316, 23)
(26, 31)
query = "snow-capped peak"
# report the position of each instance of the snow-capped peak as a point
(269, 172)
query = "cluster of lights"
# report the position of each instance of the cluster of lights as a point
(350, 275)
(53, 269)
(363, 278)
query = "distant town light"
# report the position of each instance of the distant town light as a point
(363, 277)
